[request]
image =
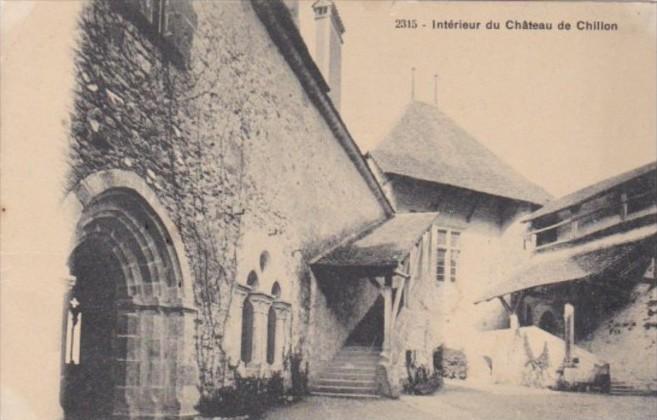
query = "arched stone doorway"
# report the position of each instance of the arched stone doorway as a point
(129, 336)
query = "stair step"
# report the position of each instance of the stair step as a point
(335, 370)
(361, 348)
(334, 395)
(344, 389)
(635, 394)
(353, 363)
(357, 359)
(358, 376)
(353, 383)
(350, 374)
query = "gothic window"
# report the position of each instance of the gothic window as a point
(276, 290)
(447, 254)
(252, 281)
(271, 335)
(74, 320)
(247, 332)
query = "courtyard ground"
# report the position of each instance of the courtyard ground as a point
(458, 401)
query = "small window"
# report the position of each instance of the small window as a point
(276, 290)
(246, 351)
(169, 23)
(447, 254)
(252, 280)
(440, 266)
(271, 336)
(264, 260)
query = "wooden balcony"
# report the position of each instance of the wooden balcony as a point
(580, 224)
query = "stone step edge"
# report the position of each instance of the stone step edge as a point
(334, 395)
(370, 378)
(337, 383)
(343, 389)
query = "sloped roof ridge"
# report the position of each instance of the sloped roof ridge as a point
(591, 191)
(425, 143)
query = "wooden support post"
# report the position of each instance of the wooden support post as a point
(386, 292)
(398, 297)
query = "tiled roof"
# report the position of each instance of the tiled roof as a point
(579, 262)
(384, 246)
(426, 144)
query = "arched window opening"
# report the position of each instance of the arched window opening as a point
(264, 260)
(271, 335)
(247, 332)
(549, 323)
(252, 281)
(74, 320)
(276, 290)
(529, 319)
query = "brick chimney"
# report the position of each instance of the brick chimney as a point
(328, 45)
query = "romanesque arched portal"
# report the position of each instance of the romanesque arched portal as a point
(128, 347)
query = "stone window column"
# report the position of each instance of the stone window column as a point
(261, 303)
(282, 315)
(240, 293)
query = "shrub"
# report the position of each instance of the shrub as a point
(452, 363)
(299, 376)
(419, 379)
(246, 396)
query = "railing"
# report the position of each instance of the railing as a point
(584, 223)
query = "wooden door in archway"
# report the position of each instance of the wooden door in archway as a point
(90, 360)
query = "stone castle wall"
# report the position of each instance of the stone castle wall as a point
(233, 148)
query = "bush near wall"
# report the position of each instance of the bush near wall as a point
(245, 397)
(452, 363)
(420, 379)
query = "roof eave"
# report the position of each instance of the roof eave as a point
(516, 199)
(279, 23)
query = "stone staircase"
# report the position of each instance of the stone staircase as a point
(351, 374)
(626, 388)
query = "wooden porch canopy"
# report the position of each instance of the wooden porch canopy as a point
(381, 249)
(585, 261)
(388, 255)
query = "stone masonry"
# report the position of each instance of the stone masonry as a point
(235, 150)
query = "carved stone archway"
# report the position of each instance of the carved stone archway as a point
(130, 310)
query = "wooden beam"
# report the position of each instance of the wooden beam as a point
(519, 297)
(395, 305)
(506, 305)
(475, 204)
(374, 281)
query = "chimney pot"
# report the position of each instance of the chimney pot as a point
(328, 45)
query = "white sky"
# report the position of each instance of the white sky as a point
(564, 109)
